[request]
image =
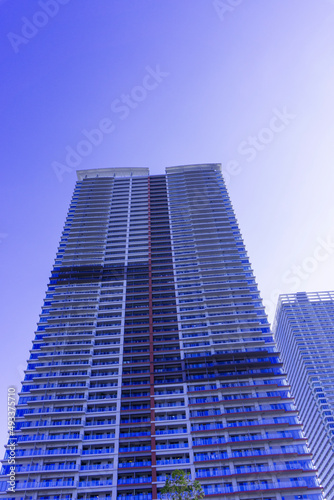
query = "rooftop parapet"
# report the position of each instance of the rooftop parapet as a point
(112, 172)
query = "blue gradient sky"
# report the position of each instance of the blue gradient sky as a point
(226, 76)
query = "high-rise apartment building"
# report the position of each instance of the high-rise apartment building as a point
(304, 331)
(153, 353)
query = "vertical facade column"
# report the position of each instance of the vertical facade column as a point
(152, 400)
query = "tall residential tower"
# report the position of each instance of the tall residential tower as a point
(153, 352)
(304, 331)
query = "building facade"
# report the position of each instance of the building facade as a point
(153, 353)
(304, 331)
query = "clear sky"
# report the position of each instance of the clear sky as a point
(98, 83)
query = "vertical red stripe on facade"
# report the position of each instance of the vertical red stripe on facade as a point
(153, 453)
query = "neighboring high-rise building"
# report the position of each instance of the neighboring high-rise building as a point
(153, 353)
(304, 331)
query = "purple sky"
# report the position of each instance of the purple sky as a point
(249, 85)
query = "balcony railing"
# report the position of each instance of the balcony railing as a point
(96, 467)
(143, 463)
(135, 480)
(254, 469)
(261, 485)
(83, 484)
(142, 496)
(134, 448)
(173, 461)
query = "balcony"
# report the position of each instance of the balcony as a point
(101, 409)
(98, 451)
(134, 434)
(44, 484)
(143, 463)
(169, 418)
(38, 452)
(284, 450)
(259, 486)
(134, 449)
(171, 446)
(107, 435)
(135, 480)
(140, 496)
(134, 420)
(97, 467)
(39, 468)
(253, 469)
(203, 457)
(171, 431)
(173, 461)
(134, 407)
(89, 484)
